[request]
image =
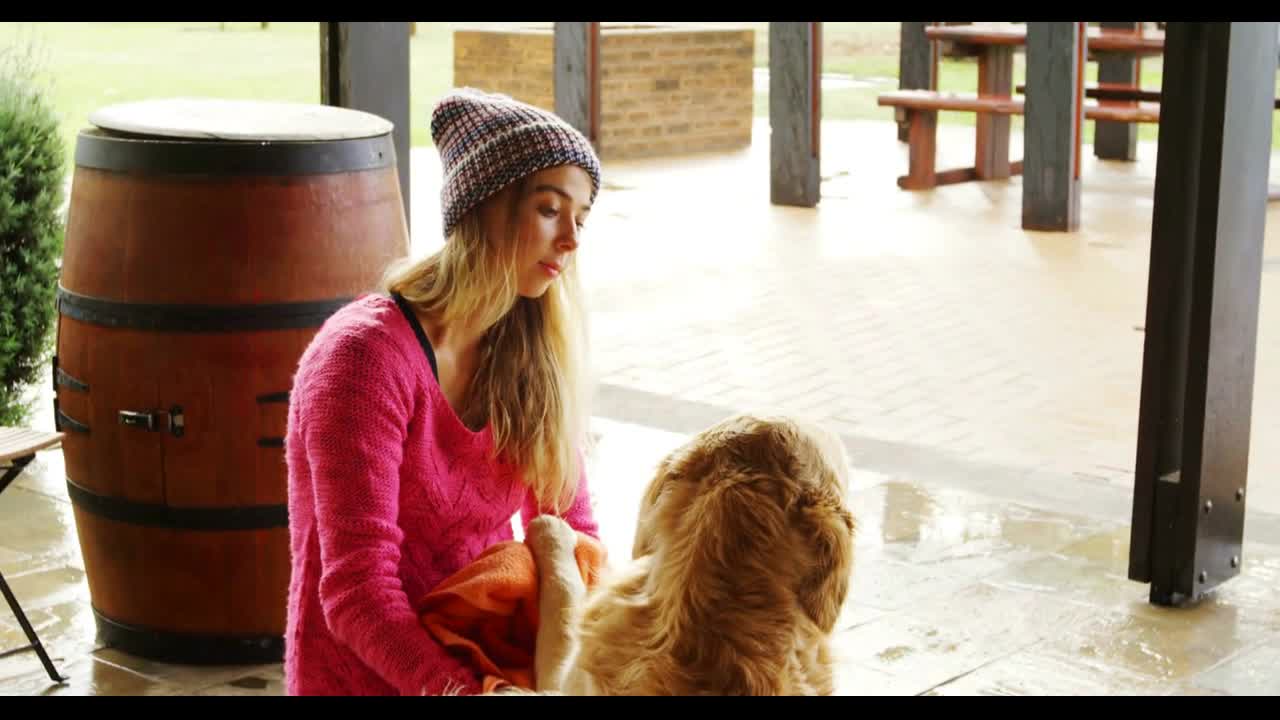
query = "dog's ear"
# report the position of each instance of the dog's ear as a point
(826, 529)
(643, 542)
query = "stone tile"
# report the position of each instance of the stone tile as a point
(856, 680)
(853, 615)
(13, 561)
(188, 677)
(1107, 550)
(889, 585)
(1161, 649)
(66, 631)
(1189, 689)
(1039, 673)
(922, 651)
(1001, 620)
(37, 532)
(268, 682)
(1252, 672)
(959, 533)
(88, 676)
(47, 473)
(1073, 579)
(46, 587)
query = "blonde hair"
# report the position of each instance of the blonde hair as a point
(530, 384)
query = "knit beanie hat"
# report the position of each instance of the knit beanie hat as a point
(488, 140)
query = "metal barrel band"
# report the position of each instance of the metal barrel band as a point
(234, 518)
(188, 648)
(118, 152)
(62, 421)
(62, 378)
(196, 318)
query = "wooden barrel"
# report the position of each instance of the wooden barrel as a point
(206, 243)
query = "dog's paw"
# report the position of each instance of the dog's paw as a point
(549, 536)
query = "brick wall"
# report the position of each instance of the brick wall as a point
(515, 62)
(663, 90)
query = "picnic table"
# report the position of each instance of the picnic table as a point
(994, 46)
(994, 101)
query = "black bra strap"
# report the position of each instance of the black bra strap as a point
(412, 317)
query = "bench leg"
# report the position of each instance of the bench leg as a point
(31, 635)
(9, 474)
(922, 172)
(14, 470)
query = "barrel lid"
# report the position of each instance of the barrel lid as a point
(242, 120)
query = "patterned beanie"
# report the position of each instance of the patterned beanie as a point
(488, 140)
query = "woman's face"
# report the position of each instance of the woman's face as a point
(549, 220)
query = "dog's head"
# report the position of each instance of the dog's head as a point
(743, 553)
(752, 513)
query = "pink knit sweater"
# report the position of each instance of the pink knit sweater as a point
(389, 493)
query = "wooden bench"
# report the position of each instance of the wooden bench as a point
(1101, 40)
(18, 447)
(919, 109)
(1118, 92)
(995, 45)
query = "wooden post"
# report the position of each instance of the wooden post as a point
(1114, 140)
(1198, 356)
(917, 63)
(991, 146)
(576, 81)
(1053, 125)
(365, 66)
(795, 112)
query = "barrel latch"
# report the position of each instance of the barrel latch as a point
(170, 420)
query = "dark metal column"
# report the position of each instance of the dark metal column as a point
(1053, 124)
(1202, 307)
(576, 81)
(365, 66)
(795, 112)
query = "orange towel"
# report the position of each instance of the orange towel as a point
(487, 612)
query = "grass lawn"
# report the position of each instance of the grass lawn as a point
(89, 65)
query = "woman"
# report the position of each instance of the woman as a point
(422, 420)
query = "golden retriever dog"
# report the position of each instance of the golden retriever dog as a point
(741, 564)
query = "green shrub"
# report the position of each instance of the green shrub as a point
(31, 230)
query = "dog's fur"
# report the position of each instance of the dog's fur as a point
(741, 563)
